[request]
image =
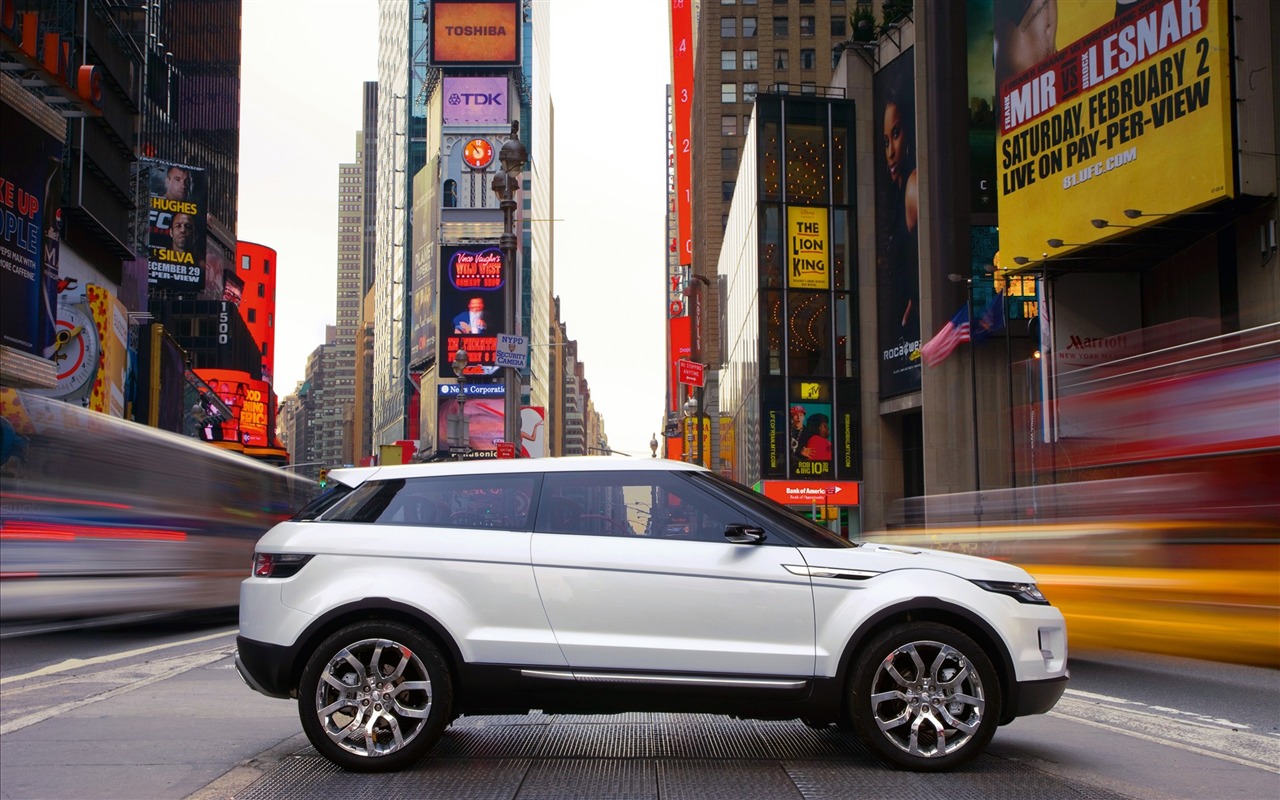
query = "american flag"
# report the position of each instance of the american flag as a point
(956, 332)
(945, 341)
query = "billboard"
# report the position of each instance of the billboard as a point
(1098, 115)
(475, 100)
(471, 306)
(475, 33)
(808, 265)
(178, 227)
(897, 227)
(30, 229)
(248, 399)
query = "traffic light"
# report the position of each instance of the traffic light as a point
(324, 479)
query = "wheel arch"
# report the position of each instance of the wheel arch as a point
(942, 612)
(373, 609)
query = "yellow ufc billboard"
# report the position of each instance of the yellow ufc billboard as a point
(1100, 111)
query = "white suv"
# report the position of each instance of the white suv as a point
(411, 595)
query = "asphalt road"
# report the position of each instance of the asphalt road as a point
(157, 711)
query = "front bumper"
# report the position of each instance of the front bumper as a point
(1036, 697)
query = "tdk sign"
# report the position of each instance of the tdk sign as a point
(475, 101)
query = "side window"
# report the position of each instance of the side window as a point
(632, 503)
(447, 501)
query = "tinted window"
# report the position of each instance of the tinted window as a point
(653, 504)
(451, 501)
(323, 503)
(774, 516)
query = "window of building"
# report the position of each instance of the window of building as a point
(245, 263)
(750, 59)
(271, 320)
(749, 92)
(262, 290)
(729, 125)
(728, 59)
(728, 93)
(264, 349)
(728, 27)
(748, 27)
(780, 59)
(451, 193)
(808, 87)
(781, 27)
(253, 315)
(266, 266)
(726, 191)
(838, 23)
(807, 26)
(729, 158)
(808, 58)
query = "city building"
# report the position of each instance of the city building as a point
(981, 278)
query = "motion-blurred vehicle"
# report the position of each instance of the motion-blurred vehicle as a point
(1148, 509)
(410, 595)
(101, 517)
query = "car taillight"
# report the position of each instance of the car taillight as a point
(278, 565)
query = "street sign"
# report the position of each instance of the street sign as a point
(506, 450)
(513, 351)
(690, 372)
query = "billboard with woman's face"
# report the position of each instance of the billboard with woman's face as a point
(897, 227)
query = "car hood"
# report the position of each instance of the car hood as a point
(876, 558)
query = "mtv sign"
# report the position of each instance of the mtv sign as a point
(475, 101)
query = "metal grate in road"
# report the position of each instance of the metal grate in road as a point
(654, 757)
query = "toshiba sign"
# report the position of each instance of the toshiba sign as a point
(475, 33)
(804, 493)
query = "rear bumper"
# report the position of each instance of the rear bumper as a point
(1036, 697)
(265, 668)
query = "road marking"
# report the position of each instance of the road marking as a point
(76, 663)
(1238, 747)
(181, 664)
(1120, 701)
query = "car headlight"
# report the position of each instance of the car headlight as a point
(1022, 591)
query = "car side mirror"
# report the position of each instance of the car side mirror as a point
(743, 534)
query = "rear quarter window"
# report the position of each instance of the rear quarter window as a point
(447, 501)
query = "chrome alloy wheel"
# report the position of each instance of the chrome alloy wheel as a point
(927, 699)
(373, 697)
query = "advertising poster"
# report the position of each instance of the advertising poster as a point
(247, 398)
(809, 439)
(178, 227)
(533, 432)
(30, 194)
(475, 33)
(1101, 113)
(982, 108)
(808, 265)
(471, 305)
(485, 426)
(897, 227)
(111, 319)
(475, 100)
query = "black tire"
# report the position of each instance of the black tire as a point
(924, 697)
(366, 725)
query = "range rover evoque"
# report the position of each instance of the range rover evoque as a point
(410, 595)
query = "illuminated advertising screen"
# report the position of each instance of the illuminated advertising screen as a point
(30, 193)
(471, 305)
(808, 266)
(682, 113)
(1101, 113)
(897, 227)
(178, 229)
(475, 101)
(475, 33)
(247, 398)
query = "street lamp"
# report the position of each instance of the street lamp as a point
(653, 445)
(973, 384)
(513, 156)
(459, 425)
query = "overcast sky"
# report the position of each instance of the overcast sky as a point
(304, 65)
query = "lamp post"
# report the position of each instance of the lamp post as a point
(691, 412)
(460, 429)
(973, 386)
(653, 446)
(513, 156)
